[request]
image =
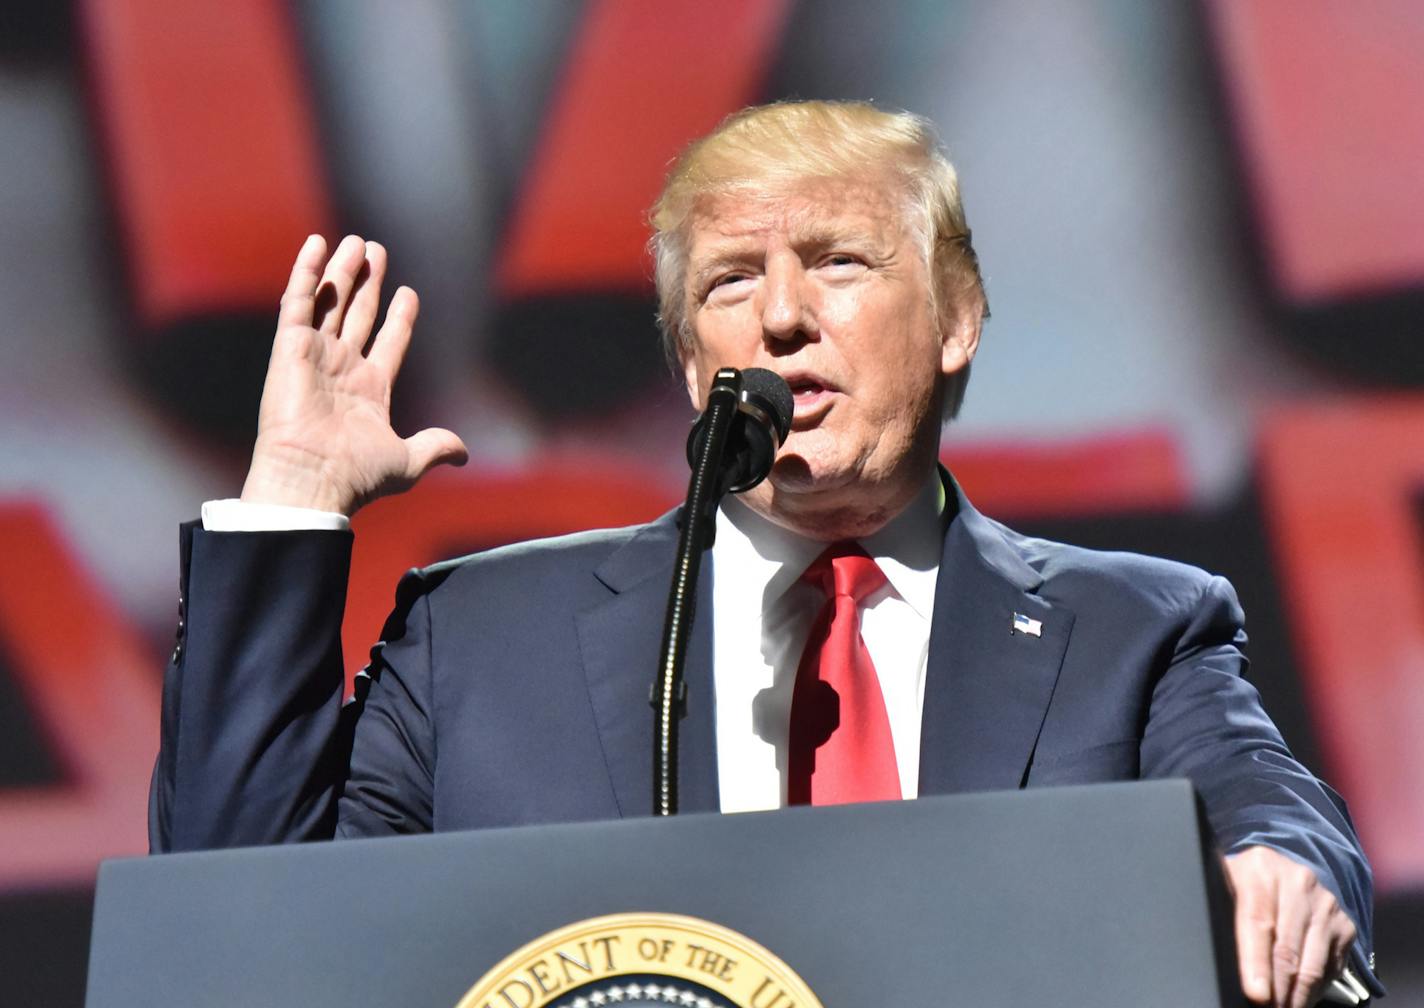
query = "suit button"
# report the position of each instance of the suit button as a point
(178, 634)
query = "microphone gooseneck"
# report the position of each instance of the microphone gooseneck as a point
(731, 449)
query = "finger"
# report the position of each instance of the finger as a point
(337, 281)
(388, 349)
(1255, 934)
(365, 298)
(1342, 937)
(432, 447)
(300, 296)
(1315, 956)
(1293, 919)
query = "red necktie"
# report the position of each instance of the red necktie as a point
(841, 749)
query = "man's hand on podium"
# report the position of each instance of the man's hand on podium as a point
(324, 437)
(1291, 934)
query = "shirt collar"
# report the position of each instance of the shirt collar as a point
(907, 549)
(760, 551)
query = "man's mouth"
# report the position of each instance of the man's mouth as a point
(811, 395)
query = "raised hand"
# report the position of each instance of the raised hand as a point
(324, 436)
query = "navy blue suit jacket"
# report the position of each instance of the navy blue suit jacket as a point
(511, 687)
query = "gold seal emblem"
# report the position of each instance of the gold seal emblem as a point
(629, 960)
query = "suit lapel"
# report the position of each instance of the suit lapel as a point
(987, 687)
(619, 639)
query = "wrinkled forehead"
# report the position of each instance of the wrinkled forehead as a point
(874, 206)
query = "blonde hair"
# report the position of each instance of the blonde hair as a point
(788, 142)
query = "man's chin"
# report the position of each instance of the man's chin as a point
(798, 475)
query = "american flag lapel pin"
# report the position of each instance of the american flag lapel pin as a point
(1022, 624)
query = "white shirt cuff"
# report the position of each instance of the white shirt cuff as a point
(234, 515)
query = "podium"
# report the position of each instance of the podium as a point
(1106, 895)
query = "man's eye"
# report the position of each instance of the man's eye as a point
(842, 259)
(730, 278)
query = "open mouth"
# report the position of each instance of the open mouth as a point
(810, 395)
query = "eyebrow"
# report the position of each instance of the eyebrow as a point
(740, 252)
(723, 259)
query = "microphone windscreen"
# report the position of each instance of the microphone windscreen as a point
(775, 396)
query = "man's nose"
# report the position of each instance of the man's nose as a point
(786, 311)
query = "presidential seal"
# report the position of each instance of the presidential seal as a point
(630, 960)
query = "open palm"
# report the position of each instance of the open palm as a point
(324, 435)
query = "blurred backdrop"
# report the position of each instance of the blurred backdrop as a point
(1201, 224)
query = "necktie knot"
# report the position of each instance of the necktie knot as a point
(845, 569)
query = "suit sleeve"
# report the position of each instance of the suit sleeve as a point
(253, 732)
(256, 746)
(1206, 723)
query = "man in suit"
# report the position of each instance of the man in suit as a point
(825, 242)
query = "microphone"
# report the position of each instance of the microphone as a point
(731, 449)
(759, 427)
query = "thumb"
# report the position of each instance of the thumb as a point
(431, 447)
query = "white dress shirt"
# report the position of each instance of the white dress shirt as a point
(762, 613)
(234, 515)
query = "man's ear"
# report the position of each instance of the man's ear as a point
(959, 337)
(692, 377)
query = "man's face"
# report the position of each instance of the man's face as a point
(826, 285)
